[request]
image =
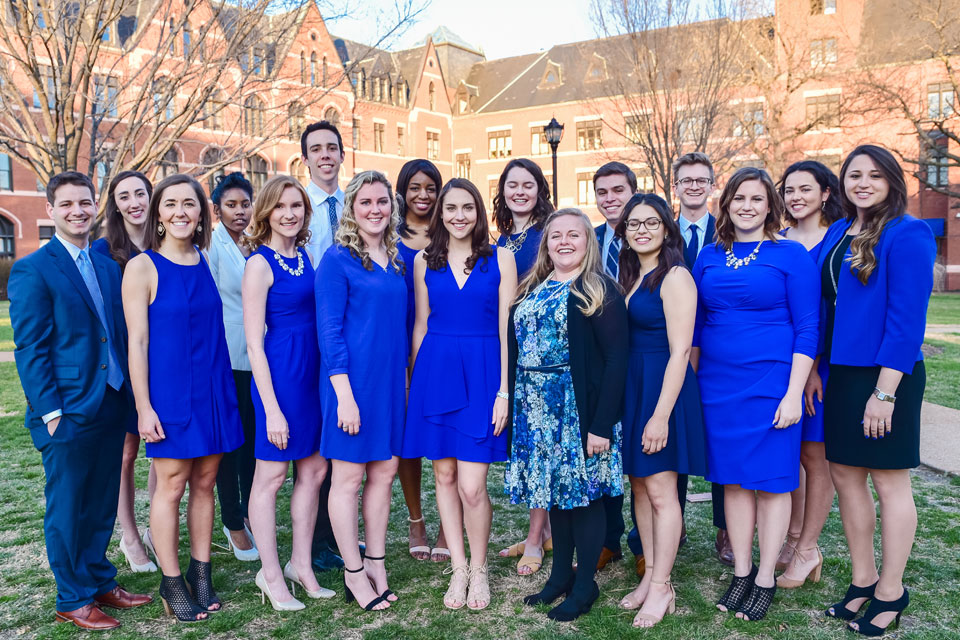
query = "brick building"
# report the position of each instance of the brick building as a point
(444, 101)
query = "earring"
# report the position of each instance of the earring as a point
(200, 228)
(161, 229)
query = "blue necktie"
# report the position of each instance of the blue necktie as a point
(694, 247)
(613, 258)
(114, 375)
(332, 213)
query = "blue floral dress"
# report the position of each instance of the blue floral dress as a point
(547, 467)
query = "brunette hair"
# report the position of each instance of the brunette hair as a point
(348, 233)
(589, 287)
(260, 231)
(690, 159)
(436, 252)
(831, 210)
(322, 125)
(671, 251)
(503, 217)
(121, 246)
(201, 234)
(74, 178)
(862, 259)
(407, 171)
(726, 232)
(616, 169)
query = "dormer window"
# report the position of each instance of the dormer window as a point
(597, 70)
(552, 75)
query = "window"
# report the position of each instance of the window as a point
(463, 165)
(376, 89)
(332, 116)
(211, 111)
(823, 52)
(500, 143)
(299, 170)
(379, 130)
(7, 248)
(323, 73)
(295, 119)
(105, 92)
(105, 36)
(50, 83)
(186, 41)
(823, 7)
(169, 165)
(644, 179)
(829, 160)
(823, 112)
(356, 134)
(163, 100)
(103, 172)
(253, 117)
(432, 96)
(257, 172)
(401, 140)
(750, 122)
(433, 145)
(939, 101)
(632, 127)
(937, 165)
(492, 192)
(213, 158)
(691, 128)
(363, 84)
(585, 192)
(173, 40)
(401, 93)
(538, 142)
(303, 68)
(313, 69)
(588, 135)
(126, 27)
(258, 67)
(45, 233)
(6, 173)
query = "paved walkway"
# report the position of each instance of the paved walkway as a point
(6, 356)
(940, 438)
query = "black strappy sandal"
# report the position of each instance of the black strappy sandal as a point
(738, 591)
(840, 610)
(348, 594)
(865, 626)
(386, 594)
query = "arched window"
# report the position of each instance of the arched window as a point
(211, 158)
(169, 165)
(299, 170)
(257, 172)
(295, 119)
(303, 68)
(313, 69)
(253, 117)
(332, 116)
(324, 77)
(7, 247)
(432, 92)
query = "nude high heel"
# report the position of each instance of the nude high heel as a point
(814, 575)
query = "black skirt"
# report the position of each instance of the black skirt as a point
(845, 398)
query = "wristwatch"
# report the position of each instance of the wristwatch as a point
(883, 397)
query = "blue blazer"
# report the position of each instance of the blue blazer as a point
(688, 255)
(883, 322)
(601, 232)
(61, 346)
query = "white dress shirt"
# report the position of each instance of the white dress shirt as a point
(701, 225)
(320, 237)
(226, 265)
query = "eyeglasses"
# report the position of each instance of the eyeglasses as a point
(686, 183)
(650, 223)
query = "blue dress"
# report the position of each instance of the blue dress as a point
(191, 382)
(750, 322)
(361, 323)
(547, 467)
(408, 256)
(685, 451)
(526, 254)
(457, 372)
(293, 355)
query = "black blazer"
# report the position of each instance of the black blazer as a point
(710, 236)
(598, 362)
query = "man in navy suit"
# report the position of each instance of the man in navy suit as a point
(71, 349)
(693, 183)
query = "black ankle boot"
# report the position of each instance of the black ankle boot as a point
(200, 580)
(574, 606)
(178, 602)
(550, 593)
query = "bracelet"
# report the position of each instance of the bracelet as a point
(883, 397)
(503, 394)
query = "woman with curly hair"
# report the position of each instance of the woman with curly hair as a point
(361, 311)
(520, 208)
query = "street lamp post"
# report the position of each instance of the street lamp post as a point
(554, 133)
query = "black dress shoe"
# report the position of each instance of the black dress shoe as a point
(573, 607)
(327, 560)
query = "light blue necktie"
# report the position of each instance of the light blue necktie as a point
(114, 375)
(613, 258)
(332, 213)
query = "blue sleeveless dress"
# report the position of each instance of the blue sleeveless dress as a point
(293, 354)
(457, 373)
(409, 255)
(191, 382)
(686, 449)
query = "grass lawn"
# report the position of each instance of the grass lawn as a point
(27, 595)
(6, 331)
(942, 362)
(944, 308)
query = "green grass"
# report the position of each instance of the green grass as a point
(943, 373)
(27, 586)
(6, 331)
(944, 308)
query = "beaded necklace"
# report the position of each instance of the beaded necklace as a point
(736, 263)
(283, 265)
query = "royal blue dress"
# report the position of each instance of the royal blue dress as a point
(408, 256)
(750, 322)
(361, 323)
(191, 382)
(685, 451)
(457, 372)
(526, 254)
(293, 355)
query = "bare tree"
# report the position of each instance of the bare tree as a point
(116, 83)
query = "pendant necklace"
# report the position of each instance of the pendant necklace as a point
(736, 263)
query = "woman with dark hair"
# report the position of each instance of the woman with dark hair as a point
(877, 272)
(182, 385)
(662, 419)
(128, 198)
(233, 205)
(457, 408)
(520, 208)
(811, 195)
(418, 184)
(566, 368)
(754, 341)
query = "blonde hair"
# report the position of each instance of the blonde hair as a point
(266, 202)
(589, 287)
(348, 233)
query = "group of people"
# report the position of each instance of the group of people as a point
(354, 332)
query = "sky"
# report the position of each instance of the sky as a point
(501, 28)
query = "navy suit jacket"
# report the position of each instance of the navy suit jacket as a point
(711, 232)
(62, 348)
(883, 322)
(601, 232)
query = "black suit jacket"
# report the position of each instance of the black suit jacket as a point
(688, 254)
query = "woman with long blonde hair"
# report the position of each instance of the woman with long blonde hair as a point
(567, 368)
(361, 303)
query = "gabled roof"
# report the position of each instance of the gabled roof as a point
(379, 62)
(443, 35)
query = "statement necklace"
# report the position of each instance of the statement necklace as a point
(514, 245)
(555, 288)
(283, 265)
(736, 263)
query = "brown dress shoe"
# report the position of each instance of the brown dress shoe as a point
(118, 598)
(641, 565)
(606, 557)
(724, 550)
(89, 617)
